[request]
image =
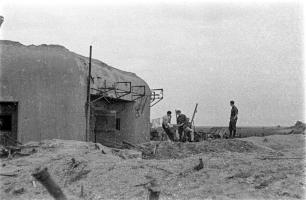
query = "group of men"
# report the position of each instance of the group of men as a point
(185, 131)
(184, 127)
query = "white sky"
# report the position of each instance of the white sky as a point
(200, 52)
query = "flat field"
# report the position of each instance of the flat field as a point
(253, 131)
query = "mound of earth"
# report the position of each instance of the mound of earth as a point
(300, 124)
(177, 150)
(233, 169)
(293, 143)
(299, 127)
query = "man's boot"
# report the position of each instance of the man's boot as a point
(234, 133)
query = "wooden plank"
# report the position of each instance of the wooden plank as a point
(10, 175)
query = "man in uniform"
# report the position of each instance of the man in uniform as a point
(189, 131)
(167, 125)
(181, 123)
(233, 120)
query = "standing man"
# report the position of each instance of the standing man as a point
(233, 119)
(181, 123)
(188, 131)
(167, 125)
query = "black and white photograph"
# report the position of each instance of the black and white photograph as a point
(152, 100)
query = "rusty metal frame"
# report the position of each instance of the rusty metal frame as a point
(104, 90)
(119, 93)
(137, 95)
(97, 99)
(123, 92)
(156, 97)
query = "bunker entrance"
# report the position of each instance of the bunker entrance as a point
(8, 123)
(105, 125)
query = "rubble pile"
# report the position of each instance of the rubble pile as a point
(248, 168)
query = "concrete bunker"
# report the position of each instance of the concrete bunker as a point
(49, 82)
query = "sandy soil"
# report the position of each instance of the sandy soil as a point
(233, 169)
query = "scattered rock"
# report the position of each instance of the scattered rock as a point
(262, 185)
(18, 191)
(129, 154)
(200, 165)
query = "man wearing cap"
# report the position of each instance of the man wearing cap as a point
(233, 119)
(181, 123)
(167, 125)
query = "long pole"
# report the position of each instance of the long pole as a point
(194, 112)
(88, 97)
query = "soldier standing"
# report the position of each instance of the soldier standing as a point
(182, 123)
(233, 119)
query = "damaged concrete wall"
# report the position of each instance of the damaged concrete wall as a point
(49, 88)
(124, 112)
(134, 124)
(49, 83)
(143, 121)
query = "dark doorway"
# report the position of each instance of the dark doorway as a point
(8, 123)
(105, 126)
(5, 122)
(118, 124)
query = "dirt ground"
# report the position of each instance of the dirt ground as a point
(242, 132)
(233, 169)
